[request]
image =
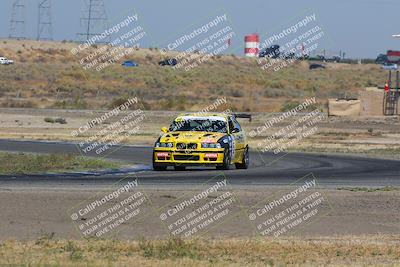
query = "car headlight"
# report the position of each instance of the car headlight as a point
(170, 145)
(210, 145)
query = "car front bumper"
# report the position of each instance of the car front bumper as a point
(171, 157)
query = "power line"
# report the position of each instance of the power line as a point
(17, 22)
(94, 21)
(45, 29)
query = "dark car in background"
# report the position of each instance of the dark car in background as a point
(168, 62)
(273, 52)
(316, 66)
(130, 63)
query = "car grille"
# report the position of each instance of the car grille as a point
(186, 146)
(186, 157)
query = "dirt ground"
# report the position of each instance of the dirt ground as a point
(32, 213)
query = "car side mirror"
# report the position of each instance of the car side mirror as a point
(164, 130)
(235, 130)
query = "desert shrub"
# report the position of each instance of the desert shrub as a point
(60, 121)
(149, 57)
(288, 105)
(79, 103)
(116, 102)
(77, 75)
(76, 103)
(173, 103)
(60, 104)
(146, 105)
(56, 120)
(237, 93)
(49, 120)
(275, 84)
(311, 89)
(20, 103)
(273, 92)
(41, 59)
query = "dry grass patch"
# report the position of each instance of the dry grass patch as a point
(24, 163)
(344, 251)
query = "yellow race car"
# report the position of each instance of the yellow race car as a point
(202, 140)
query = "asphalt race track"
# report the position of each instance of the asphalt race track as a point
(266, 169)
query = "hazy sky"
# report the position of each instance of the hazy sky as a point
(361, 28)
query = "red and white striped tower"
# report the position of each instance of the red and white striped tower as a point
(251, 45)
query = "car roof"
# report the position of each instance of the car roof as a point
(202, 115)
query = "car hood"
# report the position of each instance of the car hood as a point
(194, 137)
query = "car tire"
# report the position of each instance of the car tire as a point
(179, 168)
(245, 160)
(227, 161)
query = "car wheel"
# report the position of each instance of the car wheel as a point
(245, 161)
(227, 161)
(179, 168)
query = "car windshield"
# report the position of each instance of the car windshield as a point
(199, 125)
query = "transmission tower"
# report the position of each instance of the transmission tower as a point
(17, 22)
(94, 21)
(45, 30)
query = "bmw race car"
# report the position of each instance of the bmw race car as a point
(202, 140)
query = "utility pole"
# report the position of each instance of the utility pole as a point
(17, 22)
(94, 21)
(44, 30)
